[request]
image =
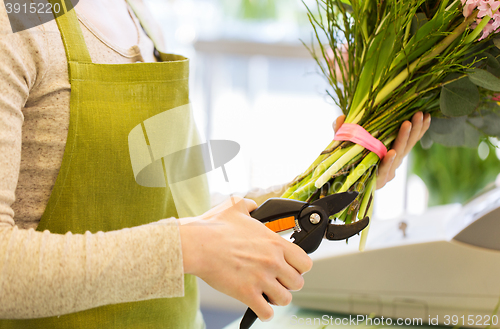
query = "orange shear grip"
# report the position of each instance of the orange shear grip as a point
(281, 224)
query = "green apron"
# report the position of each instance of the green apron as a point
(124, 119)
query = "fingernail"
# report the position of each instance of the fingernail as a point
(268, 320)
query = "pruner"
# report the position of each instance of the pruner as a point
(310, 222)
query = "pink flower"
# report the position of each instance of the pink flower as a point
(469, 6)
(487, 7)
(476, 23)
(496, 98)
(496, 20)
(468, 9)
(470, 2)
(487, 30)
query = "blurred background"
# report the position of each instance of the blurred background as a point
(254, 82)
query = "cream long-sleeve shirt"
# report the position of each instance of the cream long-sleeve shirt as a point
(44, 274)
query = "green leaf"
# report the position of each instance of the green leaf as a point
(474, 55)
(477, 121)
(484, 79)
(378, 58)
(471, 136)
(492, 64)
(487, 121)
(491, 61)
(446, 126)
(426, 141)
(496, 42)
(459, 98)
(417, 22)
(453, 132)
(451, 140)
(424, 39)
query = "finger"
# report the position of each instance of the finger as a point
(385, 168)
(233, 202)
(417, 124)
(427, 124)
(277, 294)
(338, 122)
(290, 278)
(297, 258)
(241, 204)
(250, 205)
(400, 143)
(261, 308)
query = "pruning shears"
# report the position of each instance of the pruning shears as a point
(311, 223)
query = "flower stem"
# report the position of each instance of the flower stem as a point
(370, 160)
(303, 192)
(479, 28)
(343, 160)
(440, 47)
(296, 186)
(320, 169)
(364, 233)
(368, 192)
(363, 211)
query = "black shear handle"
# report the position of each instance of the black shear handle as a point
(270, 210)
(276, 208)
(249, 317)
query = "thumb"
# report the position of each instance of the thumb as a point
(338, 122)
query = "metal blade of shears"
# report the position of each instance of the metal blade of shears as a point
(312, 231)
(335, 203)
(345, 231)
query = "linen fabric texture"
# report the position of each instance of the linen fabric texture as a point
(96, 192)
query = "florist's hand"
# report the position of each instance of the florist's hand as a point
(409, 134)
(239, 256)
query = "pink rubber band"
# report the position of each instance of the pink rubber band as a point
(357, 134)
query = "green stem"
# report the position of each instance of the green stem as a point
(368, 192)
(320, 169)
(304, 192)
(479, 28)
(343, 160)
(370, 196)
(348, 219)
(357, 118)
(296, 186)
(440, 47)
(329, 149)
(364, 233)
(336, 185)
(342, 215)
(370, 160)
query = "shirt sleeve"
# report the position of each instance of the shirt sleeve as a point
(44, 274)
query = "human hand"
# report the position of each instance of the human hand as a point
(239, 256)
(409, 134)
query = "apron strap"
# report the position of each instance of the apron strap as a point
(71, 33)
(147, 23)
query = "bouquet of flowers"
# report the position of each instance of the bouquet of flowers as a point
(387, 60)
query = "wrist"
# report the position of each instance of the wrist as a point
(189, 245)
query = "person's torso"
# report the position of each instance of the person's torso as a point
(46, 112)
(125, 120)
